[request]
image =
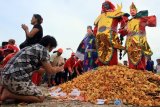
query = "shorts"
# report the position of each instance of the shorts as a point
(22, 88)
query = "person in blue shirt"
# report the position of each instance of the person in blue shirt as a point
(150, 64)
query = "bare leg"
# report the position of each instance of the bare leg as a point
(1, 89)
(32, 99)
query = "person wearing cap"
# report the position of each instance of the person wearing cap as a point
(9, 51)
(136, 46)
(11, 48)
(87, 51)
(56, 60)
(36, 34)
(11, 42)
(68, 67)
(107, 39)
(15, 81)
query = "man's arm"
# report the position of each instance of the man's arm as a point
(76, 68)
(70, 70)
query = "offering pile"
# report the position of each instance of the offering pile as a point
(109, 83)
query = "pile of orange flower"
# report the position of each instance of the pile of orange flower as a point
(131, 86)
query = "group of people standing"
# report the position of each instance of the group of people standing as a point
(99, 47)
(73, 67)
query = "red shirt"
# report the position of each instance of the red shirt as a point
(70, 63)
(79, 64)
(7, 58)
(12, 47)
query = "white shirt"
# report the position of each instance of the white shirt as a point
(158, 69)
(56, 60)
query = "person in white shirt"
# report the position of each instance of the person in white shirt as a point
(56, 60)
(158, 66)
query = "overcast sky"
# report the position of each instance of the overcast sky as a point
(67, 20)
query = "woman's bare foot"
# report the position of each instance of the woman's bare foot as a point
(5, 94)
(8, 95)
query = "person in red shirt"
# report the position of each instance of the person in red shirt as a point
(7, 58)
(78, 68)
(37, 76)
(1, 59)
(68, 67)
(11, 45)
(1, 55)
(9, 51)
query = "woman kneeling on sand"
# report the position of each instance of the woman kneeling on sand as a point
(16, 76)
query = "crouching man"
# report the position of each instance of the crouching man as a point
(16, 76)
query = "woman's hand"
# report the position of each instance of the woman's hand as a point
(31, 33)
(24, 27)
